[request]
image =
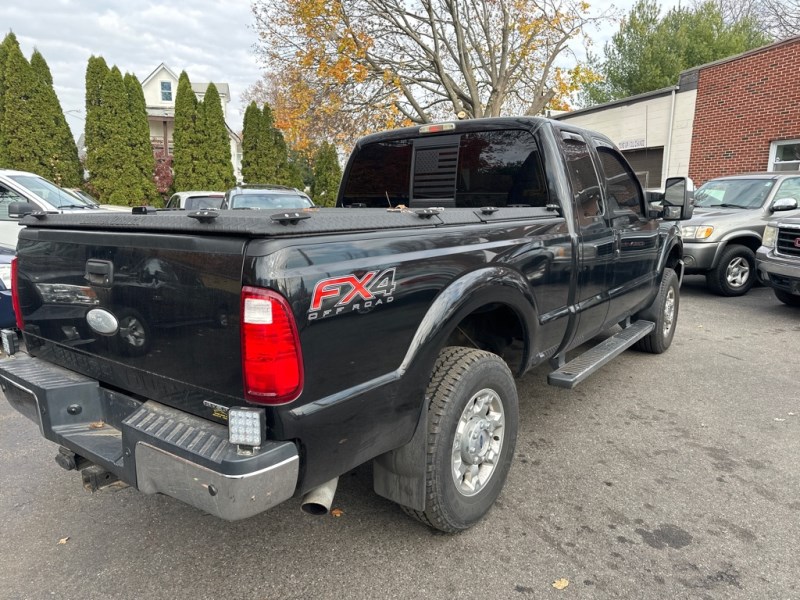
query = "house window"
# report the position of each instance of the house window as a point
(784, 155)
(166, 91)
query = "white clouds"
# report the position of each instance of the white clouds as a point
(210, 39)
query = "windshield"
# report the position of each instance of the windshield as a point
(733, 193)
(84, 196)
(77, 195)
(48, 191)
(270, 201)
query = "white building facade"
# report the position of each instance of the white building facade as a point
(160, 88)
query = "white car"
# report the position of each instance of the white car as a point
(21, 186)
(196, 200)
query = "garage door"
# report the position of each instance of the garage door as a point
(647, 164)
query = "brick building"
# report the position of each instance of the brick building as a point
(747, 114)
(737, 115)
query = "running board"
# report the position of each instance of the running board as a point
(580, 367)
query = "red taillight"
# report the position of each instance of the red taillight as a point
(272, 364)
(15, 294)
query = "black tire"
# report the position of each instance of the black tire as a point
(787, 298)
(664, 313)
(462, 378)
(736, 272)
(134, 336)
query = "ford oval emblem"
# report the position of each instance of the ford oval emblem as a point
(102, 321)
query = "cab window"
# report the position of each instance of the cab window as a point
(621, 186)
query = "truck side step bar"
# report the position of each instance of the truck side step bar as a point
(583, 365)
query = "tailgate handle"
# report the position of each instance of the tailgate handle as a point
(100, 272)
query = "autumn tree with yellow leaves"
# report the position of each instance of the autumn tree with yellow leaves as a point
(339, 68)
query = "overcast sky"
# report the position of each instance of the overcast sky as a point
(211, 40)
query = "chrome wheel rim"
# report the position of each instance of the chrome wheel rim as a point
(478, 442)
(132, 331)
(738, 272)
(669, 311)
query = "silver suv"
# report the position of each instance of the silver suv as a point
(730, 213)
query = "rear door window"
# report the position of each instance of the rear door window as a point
(583, 179)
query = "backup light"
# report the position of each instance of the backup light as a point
(246, 426)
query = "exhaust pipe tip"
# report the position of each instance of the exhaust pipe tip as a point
(317, 510)
(318, 501)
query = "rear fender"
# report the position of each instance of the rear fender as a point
(399, 475)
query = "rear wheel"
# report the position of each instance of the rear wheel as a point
(787, 298)
(472, 430)
(664, 313)
(736, 272)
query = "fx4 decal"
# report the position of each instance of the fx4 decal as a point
(348, 293)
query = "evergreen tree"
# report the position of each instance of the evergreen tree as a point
(25, 109)
(185, 136)
(272, 165)
(139, 131)
(3, 54)
(216, 171)
(39, 65)
(63, 167)
(250, 130)
(118, 180)
(327, 175)
(296, 171)
(94, 137)
(265, 161)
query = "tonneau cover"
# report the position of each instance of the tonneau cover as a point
(259, 223)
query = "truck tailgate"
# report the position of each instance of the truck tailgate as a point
(155, 314)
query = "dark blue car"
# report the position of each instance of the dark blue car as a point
(7, 318)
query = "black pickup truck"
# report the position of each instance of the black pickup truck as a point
(235, 359)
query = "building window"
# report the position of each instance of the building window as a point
(784, 155)
(166, 91)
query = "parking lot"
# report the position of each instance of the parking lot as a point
(671, 476)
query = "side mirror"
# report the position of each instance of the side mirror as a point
(784, 204)
(17, 210)
(678, 199)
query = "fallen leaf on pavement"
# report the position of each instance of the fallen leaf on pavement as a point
(560, 584)
(337, 512)
(63, 541)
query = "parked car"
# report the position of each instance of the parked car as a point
(721, 239)
(21, 186)
(7, 318)
(196, 200)
(257, 196)
(778, 260)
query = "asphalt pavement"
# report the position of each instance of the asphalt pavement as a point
(670, 476)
